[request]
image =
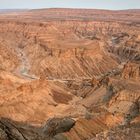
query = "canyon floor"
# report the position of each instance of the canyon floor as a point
(70, 74)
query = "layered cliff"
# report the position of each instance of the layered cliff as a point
(88, 70)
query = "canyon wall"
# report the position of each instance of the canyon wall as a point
(88, 70)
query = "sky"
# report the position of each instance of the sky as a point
(92, 4)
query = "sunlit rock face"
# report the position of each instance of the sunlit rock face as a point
(80, 64)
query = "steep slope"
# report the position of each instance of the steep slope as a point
(69, 66)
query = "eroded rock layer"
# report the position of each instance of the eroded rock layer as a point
(65, 67)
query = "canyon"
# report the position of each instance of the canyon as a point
(69, 74)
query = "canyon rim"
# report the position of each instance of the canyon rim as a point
(69, 74)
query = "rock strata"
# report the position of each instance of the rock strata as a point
(69, 63)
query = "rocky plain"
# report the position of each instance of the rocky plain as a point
(70, 74)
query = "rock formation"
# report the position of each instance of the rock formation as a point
(10, 130)
(79, 64)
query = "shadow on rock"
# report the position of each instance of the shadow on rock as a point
(52, 130)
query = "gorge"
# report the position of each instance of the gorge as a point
(70, 74)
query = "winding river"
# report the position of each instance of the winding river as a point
(24, 67)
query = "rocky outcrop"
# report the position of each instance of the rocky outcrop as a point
(68, 67)
(57, 125)
(88, 128)
(123, 133)
(10, 130)
(131, 71)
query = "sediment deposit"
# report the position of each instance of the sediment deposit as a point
(84, 65)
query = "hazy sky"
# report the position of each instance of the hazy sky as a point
(96, 4)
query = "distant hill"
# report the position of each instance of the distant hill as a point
(56, 14)
(11, 10)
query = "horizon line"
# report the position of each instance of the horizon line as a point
(69, 8)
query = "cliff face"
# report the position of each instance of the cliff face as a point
(75, 47)
(131, 71)
(84, 69)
